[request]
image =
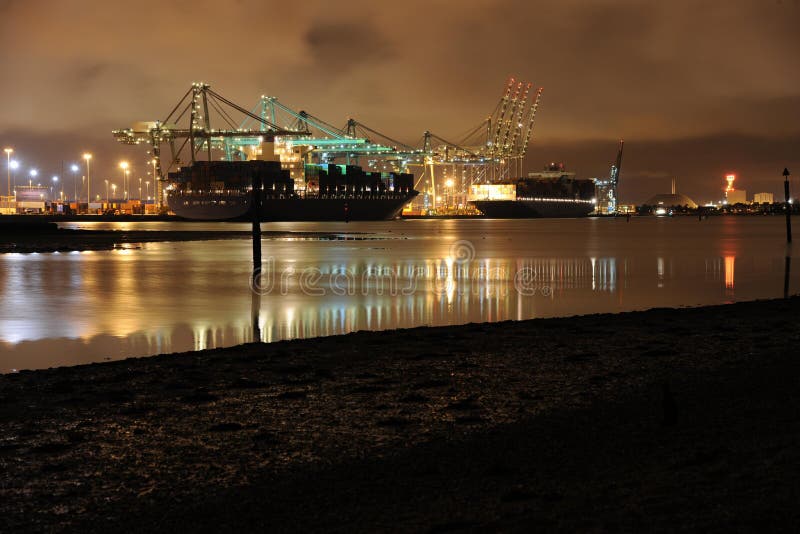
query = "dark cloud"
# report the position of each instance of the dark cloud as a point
(341, 46)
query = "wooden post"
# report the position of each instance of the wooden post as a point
(255, 215)
(255, 280)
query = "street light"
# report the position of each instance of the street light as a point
(155, 178)
(74, 168)
(107, 201)
(147, 184)
(14, 166)
(114, 189)
(88, 157)
(33, 173)
(55, 183)
(448, 194)
(8, 152)
(124, 166)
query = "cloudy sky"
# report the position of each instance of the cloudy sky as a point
(696, 88)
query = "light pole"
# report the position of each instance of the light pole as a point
(88, 157)
(147, 189)
(54, 187)
(33, 173)
(114, 189)
(74, 168)
(448, 195)
(8, 152)
(124, 166)
(107, 201)
(155, 183)
(140, 189)
(14, 166)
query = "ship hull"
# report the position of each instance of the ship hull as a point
(289, 209)
(529, 209)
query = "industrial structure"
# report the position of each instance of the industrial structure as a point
(763, 198)
(606, 190)
(733, 195)
(670, 200)
(444, 170)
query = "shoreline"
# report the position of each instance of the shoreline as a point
(571, 423)
(42, 237)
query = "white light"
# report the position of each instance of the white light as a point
(34, 172)
(14, 164)
(74, 168)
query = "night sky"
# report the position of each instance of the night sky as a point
(696, 88)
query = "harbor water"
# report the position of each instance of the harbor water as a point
(152, 298)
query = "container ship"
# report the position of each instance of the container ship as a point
(553, 192)
(222, 190)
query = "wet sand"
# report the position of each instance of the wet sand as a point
(659, 420)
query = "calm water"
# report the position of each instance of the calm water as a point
(70, 308)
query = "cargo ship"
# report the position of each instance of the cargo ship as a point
(553, 192)
(222, 190)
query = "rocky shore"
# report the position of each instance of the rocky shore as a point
(660, 420)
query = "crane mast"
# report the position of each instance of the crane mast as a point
(532, 117)
(607, 203)
(509, 121)
(501, 116)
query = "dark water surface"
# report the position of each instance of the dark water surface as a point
(71, 308)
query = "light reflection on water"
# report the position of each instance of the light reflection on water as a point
(70, 308)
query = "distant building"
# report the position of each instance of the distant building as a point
(671, 199)
(626, 208)
(736, 196)
(32, 199)
(763, 198)
(667, 200)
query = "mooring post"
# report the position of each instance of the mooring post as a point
(255, 279)
(255, 215)
(788, 205)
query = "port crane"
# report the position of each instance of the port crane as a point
(607, 189)
(198, 135)
(493, 150)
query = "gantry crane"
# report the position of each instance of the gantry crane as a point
(607, 203)
(199, 133)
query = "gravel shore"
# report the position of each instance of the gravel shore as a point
(658, 420)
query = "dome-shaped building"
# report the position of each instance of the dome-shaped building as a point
(671, 199)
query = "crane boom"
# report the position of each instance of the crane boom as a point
(522, 108)
(509, 121)
(532, 117)
(501, 115)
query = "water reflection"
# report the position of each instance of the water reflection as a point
(730, 265)
(73, 308)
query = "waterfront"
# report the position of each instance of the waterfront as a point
(151, 298)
